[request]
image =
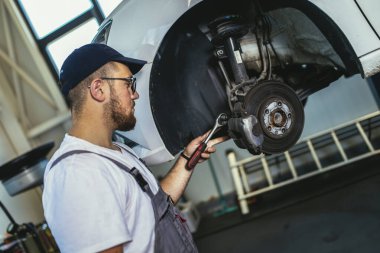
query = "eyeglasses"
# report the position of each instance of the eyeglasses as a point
(130, 80)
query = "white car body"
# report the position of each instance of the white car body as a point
(139, 27)
(363, 38)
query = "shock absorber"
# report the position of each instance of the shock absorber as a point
(226, 31)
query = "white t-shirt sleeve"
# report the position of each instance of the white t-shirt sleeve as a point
(83, 205)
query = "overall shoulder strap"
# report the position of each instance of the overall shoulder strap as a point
(67, 154)
(134, 172)
(132, 154)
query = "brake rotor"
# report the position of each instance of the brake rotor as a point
(280, 113)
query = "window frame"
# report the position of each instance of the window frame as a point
(42, 43)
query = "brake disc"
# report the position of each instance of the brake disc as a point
(279, 112)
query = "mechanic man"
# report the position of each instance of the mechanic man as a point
(98, 195)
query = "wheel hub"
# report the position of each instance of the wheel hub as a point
(277, 118)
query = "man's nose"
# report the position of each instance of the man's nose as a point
(135, 95)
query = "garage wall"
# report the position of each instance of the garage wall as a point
(342, 101)
(32, 110)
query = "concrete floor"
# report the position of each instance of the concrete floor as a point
(338, 211)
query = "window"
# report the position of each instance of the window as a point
(46, 16)
(108, 5)
(60, 26)
(62, 47)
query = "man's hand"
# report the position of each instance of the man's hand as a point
(192, 146)
(175, 182)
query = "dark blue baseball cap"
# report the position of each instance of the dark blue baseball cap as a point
(85, 60)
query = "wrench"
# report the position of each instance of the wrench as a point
(221, 120)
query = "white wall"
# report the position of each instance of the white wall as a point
(342, 101)
(30, 103)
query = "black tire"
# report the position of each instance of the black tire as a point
(257, 100)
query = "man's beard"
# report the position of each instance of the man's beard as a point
(114, 112)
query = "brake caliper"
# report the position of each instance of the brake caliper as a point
(245, 130)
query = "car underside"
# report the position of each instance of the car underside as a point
(257, 62)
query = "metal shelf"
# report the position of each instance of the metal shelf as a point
(325, 151)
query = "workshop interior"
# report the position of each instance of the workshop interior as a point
(295, 84)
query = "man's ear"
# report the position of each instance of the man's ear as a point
(97, 90)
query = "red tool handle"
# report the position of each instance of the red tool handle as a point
(194, 158)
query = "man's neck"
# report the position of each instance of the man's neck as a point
(97, 134)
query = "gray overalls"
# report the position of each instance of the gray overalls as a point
(172, 234)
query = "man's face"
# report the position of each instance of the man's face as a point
(123, 117)
(120, 108)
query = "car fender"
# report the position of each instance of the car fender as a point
(144, 25)
(354, 25)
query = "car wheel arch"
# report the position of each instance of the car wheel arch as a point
(166, 127)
